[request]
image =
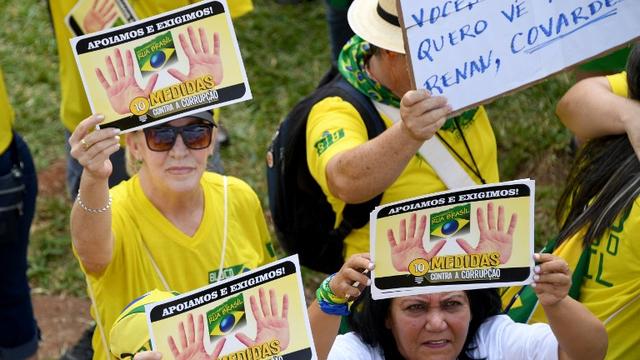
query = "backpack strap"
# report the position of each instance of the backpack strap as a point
(355, 216)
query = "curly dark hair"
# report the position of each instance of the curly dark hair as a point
(368, 320)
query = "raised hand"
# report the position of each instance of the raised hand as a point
(423, 114)
(100, 14)
(123, 87)
(92, 148)
(192, 342)
(492, 235)
(270, 326)
(203, 60)
(552, 279)
(409, 246)
(350, 281)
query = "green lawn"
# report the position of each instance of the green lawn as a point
(285, 51)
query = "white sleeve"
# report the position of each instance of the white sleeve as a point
(350, 347)
(499, 337)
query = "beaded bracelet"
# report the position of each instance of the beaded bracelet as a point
(329, 302)
(91, 210)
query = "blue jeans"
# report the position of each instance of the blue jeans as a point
(19, 333)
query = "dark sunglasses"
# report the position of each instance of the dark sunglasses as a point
(194, 136)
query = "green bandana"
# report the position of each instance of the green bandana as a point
(351, 64)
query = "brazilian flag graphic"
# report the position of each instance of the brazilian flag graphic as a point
(156, 54)
(226, 317)
(454, 221)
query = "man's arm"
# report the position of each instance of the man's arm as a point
(359, 174)
(591, 109)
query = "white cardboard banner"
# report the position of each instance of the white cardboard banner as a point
(471, 51)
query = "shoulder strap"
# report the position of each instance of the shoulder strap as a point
(355, 216)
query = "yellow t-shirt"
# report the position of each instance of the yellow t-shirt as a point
(74, 106)
(185, 262)
(340, 119)
(6, 117)
(611, 289)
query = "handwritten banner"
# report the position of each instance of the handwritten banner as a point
(471, 51)
(260, 314)
(472, 238)
(164, 67)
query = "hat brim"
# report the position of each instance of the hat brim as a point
(365, 22)
(203, 115)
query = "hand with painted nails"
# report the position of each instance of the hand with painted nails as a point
(423, 114)
(270, 325)
(101, 14)
(493, 238)
(409, 245)
(552, 279)
(92, 148)
(203, 60)
(350, 281)
(122, 86)
(192, 341)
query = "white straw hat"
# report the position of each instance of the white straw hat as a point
(376, 21)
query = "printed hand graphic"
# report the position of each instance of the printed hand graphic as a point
(123, 87)
(492, 237)
(101, 13)
(192, 342)
(270, 326)
(409, 246)
(202, 59)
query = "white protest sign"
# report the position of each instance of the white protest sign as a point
(471, 51)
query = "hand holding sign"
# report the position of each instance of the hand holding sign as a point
(409, 246)
(270, 326)
(202, 60)
(123, 87)
(423, 114)
(99, 16)
(552, 280)
(192, 342)
(492, 237)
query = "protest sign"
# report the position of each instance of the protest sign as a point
(478, 237)
(164, 67)
(257, 315)
(88, 16)
(472, 51)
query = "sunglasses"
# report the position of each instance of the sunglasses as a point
(194, 136)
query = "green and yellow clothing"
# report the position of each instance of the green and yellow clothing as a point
(339, 119)
(185, 262)
(610, 288)
(6, 117)
(74, 106)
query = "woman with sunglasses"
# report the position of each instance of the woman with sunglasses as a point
(172, 226)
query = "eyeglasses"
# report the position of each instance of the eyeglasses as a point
(194, 136)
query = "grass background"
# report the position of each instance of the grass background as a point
(285, 49)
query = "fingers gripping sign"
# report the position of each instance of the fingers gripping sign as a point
(409, 245)
(270, 325)
(350, 281)
(203, 60)
(493, 238)
(552, 279)
(422, 114)
(192, 342)
(93, 148)
(123, 87)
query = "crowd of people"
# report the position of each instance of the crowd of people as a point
(148, 214)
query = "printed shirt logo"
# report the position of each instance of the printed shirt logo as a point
(227, 272)
(454, 221)
(327, 140)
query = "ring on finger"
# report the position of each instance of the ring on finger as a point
(85, 146)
